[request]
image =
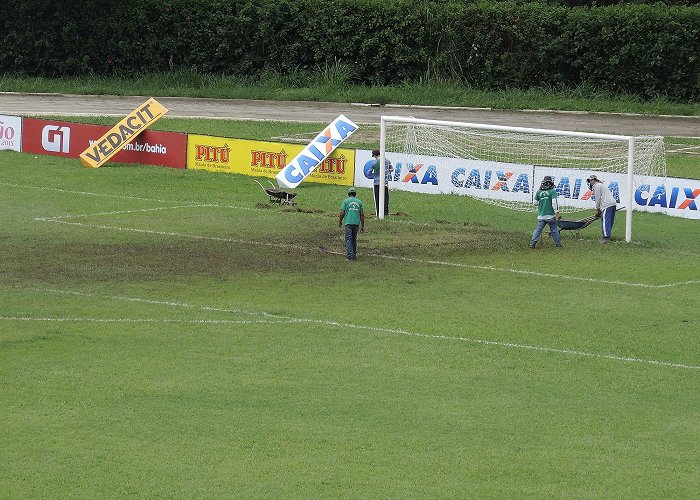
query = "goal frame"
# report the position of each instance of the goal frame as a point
(504, 128)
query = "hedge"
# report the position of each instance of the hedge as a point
(648, 50)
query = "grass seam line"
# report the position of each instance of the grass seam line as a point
(86, 193)
(148, 320)
(116, 212)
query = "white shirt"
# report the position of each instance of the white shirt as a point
(603, 196)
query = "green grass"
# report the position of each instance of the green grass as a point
(174, 337)
(683, 157)
(333, 84)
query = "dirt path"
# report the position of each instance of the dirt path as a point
(324, 112)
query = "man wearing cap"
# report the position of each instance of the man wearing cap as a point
(545, 197)
(374, 170)
(605, 206)
(353, 215)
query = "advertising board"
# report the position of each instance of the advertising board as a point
(315, 153)
(436, 175)
(11, 132)
(122, 133)
(518, 182)
(267, 159)
(69, 139)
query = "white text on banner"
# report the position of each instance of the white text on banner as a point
(318, 150)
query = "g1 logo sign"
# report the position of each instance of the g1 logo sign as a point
(55, 139)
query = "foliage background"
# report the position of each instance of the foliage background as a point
(647, 50)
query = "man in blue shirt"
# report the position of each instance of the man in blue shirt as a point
(375, 174)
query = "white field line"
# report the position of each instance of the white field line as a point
(177, 235)
(85, 193)
(149, 320)
(382, 256)
(167, 303)
(682, 148)
(347, 326)
(192, 204)
(116, 212)
(123, 197)
(540, 274)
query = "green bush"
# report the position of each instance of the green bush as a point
(647, 50)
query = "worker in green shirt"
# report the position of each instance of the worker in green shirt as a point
(353, 215)
(545, 198)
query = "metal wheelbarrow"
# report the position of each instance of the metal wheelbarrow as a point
(278, 195)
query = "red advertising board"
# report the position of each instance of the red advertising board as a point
(151, 147)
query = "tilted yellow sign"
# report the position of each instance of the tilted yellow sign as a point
(122, 133)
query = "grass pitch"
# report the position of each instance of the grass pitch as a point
(167, 334)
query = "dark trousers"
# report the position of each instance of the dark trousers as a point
(376, 200)
(351, 240)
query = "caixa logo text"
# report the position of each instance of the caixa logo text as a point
(574, 191)
(680, 198)
(408, 172)
(55, 139)
(495, 181)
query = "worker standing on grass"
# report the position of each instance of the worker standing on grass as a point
(545, 197)
(605, 206)
(374, 170)
(353, 215)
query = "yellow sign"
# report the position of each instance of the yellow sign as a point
(266, 159)
(122, 133)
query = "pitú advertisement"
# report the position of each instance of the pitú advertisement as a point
(67, 139)
(266, 159)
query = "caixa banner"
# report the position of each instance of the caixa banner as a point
(436, 175)
(67, 139)
(672, 196)
(518, 183)
(11, 132)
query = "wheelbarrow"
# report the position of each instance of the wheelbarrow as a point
(278, 195)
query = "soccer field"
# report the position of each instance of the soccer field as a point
(168, 334)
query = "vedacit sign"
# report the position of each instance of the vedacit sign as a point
(122, 133)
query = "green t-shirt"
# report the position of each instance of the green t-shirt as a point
(545, 209)
(352, 207)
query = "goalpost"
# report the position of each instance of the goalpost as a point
(512, 161)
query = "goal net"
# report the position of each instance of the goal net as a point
(505, 165)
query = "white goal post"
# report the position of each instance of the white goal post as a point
(622, 162)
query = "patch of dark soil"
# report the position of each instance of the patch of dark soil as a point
(160, 259)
